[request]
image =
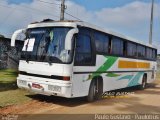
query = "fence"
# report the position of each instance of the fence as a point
(9, 56)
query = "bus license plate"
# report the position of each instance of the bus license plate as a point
(54, 88)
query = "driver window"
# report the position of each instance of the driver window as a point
(83, 54)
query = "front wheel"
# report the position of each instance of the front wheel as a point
(95, 90)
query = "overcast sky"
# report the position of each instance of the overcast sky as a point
(128, 17)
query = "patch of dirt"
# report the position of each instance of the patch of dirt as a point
(143, 101)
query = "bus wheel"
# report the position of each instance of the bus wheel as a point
(144, 82)
(95, 90)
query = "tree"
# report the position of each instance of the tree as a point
(1, 35)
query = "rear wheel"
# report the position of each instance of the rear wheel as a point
(144, 82)
(95, 90)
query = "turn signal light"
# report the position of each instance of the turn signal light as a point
(66, 78)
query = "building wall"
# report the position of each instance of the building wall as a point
(9, 56)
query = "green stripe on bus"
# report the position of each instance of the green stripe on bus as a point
(127, 77)
(112, 75)
(136, 79)
(132, 79)
(108, 64)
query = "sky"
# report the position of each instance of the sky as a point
(128, 17)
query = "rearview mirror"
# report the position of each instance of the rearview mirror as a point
(15, 34)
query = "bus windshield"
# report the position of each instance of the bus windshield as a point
(45, 45)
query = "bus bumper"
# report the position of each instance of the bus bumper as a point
(45, 86)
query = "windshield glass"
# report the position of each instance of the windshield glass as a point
(45, 45)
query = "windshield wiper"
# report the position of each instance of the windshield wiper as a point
(26, 56)
(41, 49)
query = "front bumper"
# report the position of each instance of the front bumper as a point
(45, 86)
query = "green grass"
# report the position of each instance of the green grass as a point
(9, 92)
(8, 75)
(13, 97)
(8, 79)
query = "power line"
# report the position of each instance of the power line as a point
(62, 10)
(48, 2)
(29, 8)
(58, 10)
(45, 12)
(73, 16)
(39, 10)
(63, 7)
(5, 6)
(52, 7)
(7, 17)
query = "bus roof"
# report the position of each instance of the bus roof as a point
(71, 23)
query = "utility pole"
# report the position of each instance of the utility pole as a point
(62, 10)
(151, 24)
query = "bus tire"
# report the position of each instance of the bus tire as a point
(144, 82)
(100, 89)
(95, 90)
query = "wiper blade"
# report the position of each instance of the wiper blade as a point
(26, 56)
(42, 48)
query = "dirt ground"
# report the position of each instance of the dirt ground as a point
(142, 102)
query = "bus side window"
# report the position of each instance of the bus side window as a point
(131, 50)
(124, 48)
(117, 47)
(83, 52)
(101, 42)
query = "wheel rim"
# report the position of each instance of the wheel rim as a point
(143, 85)
(95, 90)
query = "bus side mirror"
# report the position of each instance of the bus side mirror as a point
(68, 40)
(15, 34)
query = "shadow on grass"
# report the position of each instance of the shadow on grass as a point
(12, 73)
(8, 80)
(8, 86)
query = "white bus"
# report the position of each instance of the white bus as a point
(75, 59)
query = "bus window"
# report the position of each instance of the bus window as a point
(101, 42)
(83, 54)
(154, 54)
(149, 53)
(117, 46)
(141, 51)
(131, 49)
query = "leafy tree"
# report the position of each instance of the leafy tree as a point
(1, 35)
